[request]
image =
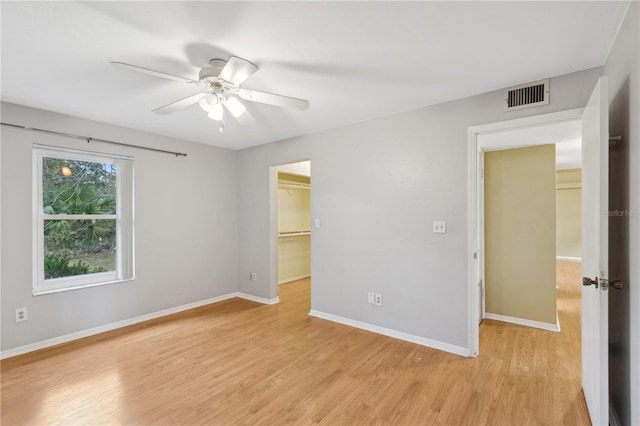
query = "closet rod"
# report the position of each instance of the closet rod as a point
(90, 139)
(293, 234)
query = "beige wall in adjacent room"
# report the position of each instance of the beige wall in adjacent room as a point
(568, 212)
(520, 233)
(294, 215)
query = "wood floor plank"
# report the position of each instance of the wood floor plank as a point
(242, 363)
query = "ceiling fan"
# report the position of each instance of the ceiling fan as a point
(221, 82)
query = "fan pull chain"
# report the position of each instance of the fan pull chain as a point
(221, 126)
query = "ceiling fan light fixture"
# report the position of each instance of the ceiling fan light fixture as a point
(220, 82)
(216, 112)
(235, 106)
(207, 102)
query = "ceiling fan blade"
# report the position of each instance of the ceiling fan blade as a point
(182, 103)
(239, 111)
(271, 99)
(237, 70)
(154, 73)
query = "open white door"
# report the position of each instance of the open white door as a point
(595, 255)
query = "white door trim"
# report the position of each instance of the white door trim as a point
(474, 237)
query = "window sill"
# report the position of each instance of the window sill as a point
(38, 292)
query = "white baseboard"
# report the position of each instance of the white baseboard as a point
(258, 299)
(111, 326)
(119, 324)
(288, 280)
(569, 258)
(458, 350)
(527, 323)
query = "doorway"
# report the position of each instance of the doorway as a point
(293, 227)
(520, 234)
(494, 137)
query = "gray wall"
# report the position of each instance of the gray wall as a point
(185, 229)
(377, 188)
(623, 71)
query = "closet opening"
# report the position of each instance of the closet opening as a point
(294, 231)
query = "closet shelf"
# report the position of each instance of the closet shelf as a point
(294, 186)
(293, 233)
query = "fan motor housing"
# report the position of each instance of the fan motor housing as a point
(212, 72)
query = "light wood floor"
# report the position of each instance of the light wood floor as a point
(239, 362)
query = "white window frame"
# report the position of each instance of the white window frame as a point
(123, 217)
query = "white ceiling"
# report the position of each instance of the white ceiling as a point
(352, 60)
(567, 136)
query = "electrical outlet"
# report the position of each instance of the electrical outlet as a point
(378, 299)
(371, 298)
(439, 227)
(21, 314)
(253, 276)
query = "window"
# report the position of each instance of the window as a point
(83, 219)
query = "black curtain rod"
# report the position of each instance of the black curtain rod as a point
(90, 139)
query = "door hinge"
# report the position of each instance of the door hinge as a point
(603, 283)
(586, 281)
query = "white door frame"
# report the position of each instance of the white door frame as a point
(475, 238)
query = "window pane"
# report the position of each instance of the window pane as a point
(78, 247)
(78, 187)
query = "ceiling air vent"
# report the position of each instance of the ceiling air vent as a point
(527, 95)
